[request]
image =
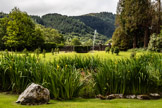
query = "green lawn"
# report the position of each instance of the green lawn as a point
(101, 54)
(8, 101)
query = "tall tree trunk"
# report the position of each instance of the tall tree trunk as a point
(146, 38)
(135, 42)
(159, 16)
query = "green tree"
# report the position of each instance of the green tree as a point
(134, 17)
(121, 40)
(89, 42)
(51, 35)
(75, 41)
(20, 31)
(3, 25)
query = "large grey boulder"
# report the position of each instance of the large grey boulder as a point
(34, 95)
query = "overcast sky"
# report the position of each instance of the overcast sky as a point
(65, 7)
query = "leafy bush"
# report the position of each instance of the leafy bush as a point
(49, 46)
(75, 41)
(133, 55)
(37, 52)
(107, 49)
(155, 43)
(112, 50)
(116, 50)
(25, 51)
(44, 53)
(82, 49)
(52, 51)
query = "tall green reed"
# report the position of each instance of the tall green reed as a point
(63, 76)
(129, 76)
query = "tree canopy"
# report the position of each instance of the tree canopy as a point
(19, 31)
(135, 18)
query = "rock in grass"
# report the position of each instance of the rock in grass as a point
(154, 96)
(130, 96)
(112, 96)
(143, 97)
(34, 95)
(115, 96)
(101, 97)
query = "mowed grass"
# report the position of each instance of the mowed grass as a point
(8, 101)
(100, 54)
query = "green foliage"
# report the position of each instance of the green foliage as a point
(25, 51)
(66, 76)
(129, 76)
(37, 19)
(137, 50)
(82, 49)
(103, 22)
(155, 43)
(20, 31)
(52, 51)
(2, 15)
(75, 41)
(51, 35)
(116, 50)
(133, 55)
(134, 17)
(37, 52)
(107, 49)
(112, 50)
(109, 41)
(65, 24)
(81, 26)
(121, 40)
(57, 50)
(3, 24)
(44, 53)
(88, 43)
(49, 46)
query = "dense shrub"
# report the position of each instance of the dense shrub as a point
(112, 50)
(116, 50)
(107, 49)
(82, 49)
(49, 46)
(133, 55)
(155, 43)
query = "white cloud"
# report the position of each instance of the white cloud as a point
(66, 7)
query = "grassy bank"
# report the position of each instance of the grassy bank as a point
(8, 101)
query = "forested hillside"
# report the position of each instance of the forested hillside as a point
(81, 27)
(103, 22)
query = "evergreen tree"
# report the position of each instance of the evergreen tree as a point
(133, 16)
